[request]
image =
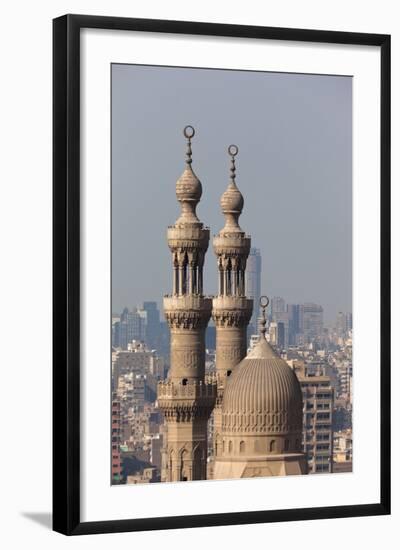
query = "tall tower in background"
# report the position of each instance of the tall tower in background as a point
(231, 308)
(153, 323)
(186, 398)
(253, 284)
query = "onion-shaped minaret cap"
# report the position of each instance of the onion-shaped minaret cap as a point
(188, 187)
(232, 199)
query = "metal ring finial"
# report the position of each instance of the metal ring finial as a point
(233, 150)
(188, 131)
(264, 301)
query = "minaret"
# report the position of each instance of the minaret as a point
(186, 397)
(231, 309)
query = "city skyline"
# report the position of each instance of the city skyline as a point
(305, 242)
(198, 408)
(139, 306)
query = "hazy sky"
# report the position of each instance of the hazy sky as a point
(294, 169)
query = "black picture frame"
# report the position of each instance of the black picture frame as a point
(66, 273)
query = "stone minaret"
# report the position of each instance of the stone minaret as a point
(231, 309)
(186, 397)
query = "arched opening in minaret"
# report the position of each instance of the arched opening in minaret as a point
(230, 446)
(185, 285)
(198, 464)
(221, 278)
(287, 445)
(241, 447)
(272, 446)
(228, 372)
(184, 382)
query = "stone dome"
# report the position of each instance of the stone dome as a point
(232, 200)
(262, 395)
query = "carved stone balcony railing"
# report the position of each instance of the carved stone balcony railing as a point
(232, 243)
(168, 389)
(187, 302)
(186, 401)
(232, 302)
(188, 237)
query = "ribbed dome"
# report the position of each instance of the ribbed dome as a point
(232, 200)
(263, 394)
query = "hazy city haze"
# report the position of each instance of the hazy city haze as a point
(294, 169)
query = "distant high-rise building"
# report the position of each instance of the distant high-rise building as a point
(278, 305)
(280, 316)
(152, 324)
(318, 397)
(343, 451)
(311, 321)
(131, 326)
(273, 333)
(344, 323)
(137, 359)
(281, 335)
(116, 462)
(135, 390)
(253, 283)
(294, 315)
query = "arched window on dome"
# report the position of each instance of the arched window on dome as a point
(287, 444)
(272, 446)
(241, 447)
(230, 446)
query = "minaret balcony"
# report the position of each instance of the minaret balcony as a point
(223, 303)
(192, 396)
(232, 244)
(188, 311)
(193, 389)
(188, 236)
(232, 311)
(187, 302)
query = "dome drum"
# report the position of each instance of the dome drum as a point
(259, 446)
